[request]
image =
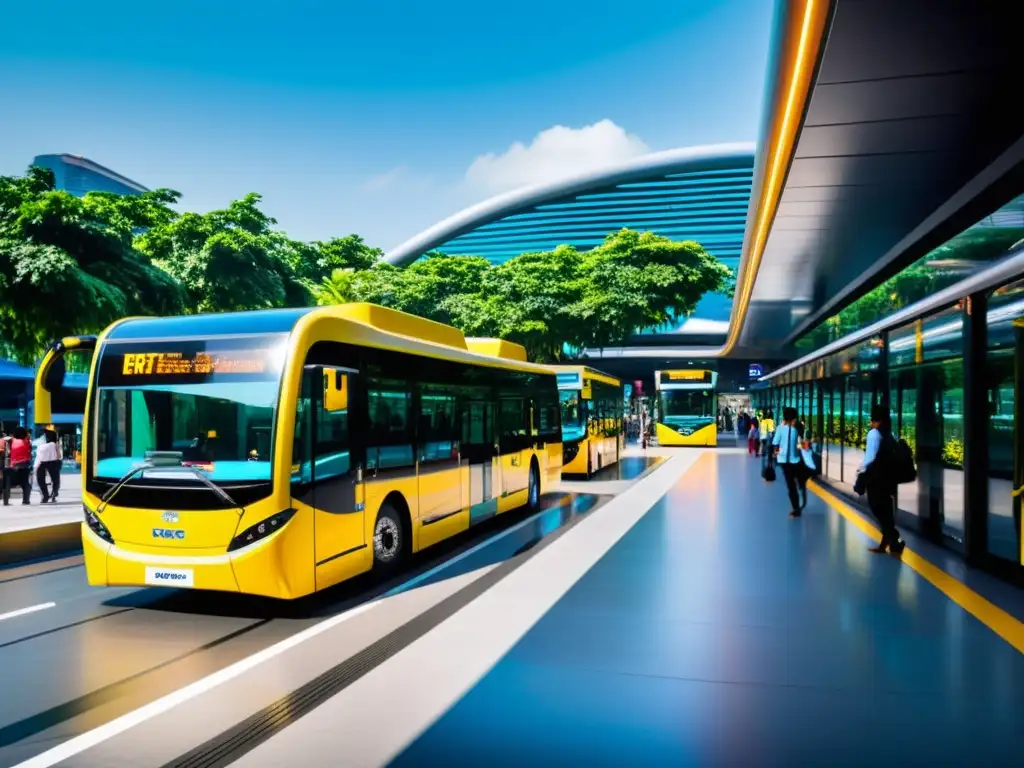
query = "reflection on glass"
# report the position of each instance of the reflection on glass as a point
(224, 430)
(1005, 305)
(686, 410)
(573, 415)
(970, 251)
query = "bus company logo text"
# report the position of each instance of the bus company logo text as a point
(168, 576)
(167, 533)
(177, 364)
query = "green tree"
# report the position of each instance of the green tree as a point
(642, 280)
(68, 264)
(544, 300)
(231, 259)
(349, 252)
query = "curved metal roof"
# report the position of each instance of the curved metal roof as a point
(698, 193)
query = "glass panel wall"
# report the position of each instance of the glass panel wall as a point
(970, 251)
(926, 365)
(833, 430)
(1005, 305)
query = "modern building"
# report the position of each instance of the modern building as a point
(79, 175)
(697, 193)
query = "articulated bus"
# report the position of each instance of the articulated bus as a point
(280, 452)
(686, 407)
(592, 430)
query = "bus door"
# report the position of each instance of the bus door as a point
(439, 458)
(335, 470)
(480, 457)
(514, 444)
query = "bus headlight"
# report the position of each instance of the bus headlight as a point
(96, 525)
(261, 530)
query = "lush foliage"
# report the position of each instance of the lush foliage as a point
(68, 264)
(72, 265)
(595, 298)
(947, 264)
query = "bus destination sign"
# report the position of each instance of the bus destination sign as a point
(202, 364)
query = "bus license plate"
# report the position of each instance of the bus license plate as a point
(170, 577)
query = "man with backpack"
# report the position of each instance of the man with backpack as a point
(882, 470)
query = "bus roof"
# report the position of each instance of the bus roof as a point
(400, 330)
(220, 324)
(586, 372)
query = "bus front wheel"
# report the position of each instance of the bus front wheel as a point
(389, 539)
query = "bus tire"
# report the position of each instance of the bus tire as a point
(533, 489)
(390, 539)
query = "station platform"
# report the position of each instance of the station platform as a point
(677, 617)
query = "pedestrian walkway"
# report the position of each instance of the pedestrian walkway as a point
(716, 631)
(18, 516)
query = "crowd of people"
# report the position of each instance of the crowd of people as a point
(20, 459)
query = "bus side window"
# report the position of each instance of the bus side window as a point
(302, 467)
(388, 438)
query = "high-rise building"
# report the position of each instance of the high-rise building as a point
(79, 175)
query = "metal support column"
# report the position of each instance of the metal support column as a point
(976, 420)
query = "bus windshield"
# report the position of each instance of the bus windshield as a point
(206, 404)
(574, 424)
(687, 410)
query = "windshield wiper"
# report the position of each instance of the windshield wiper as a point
(221, 493)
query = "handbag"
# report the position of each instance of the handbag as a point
(768, 470)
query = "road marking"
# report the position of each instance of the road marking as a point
(420, 683)
(115, 727)
(121, 724)
(404, 587)
(23, 611)
(992, 616)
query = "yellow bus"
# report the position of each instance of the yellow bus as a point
(686, 407)
(280, 452)
(592, 408)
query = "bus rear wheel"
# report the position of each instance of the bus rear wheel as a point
(390, 539)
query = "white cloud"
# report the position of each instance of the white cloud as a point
(553, 154)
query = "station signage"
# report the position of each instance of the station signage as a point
(685, 375)
(755, 370)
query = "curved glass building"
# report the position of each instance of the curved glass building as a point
(698, 193)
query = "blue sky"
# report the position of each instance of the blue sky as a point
(373, 117)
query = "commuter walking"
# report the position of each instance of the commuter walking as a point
(767, 428)
(876, 478)
(48, 462)
(19, 457)
(754, 438)
(786, 444)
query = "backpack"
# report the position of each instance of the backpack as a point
(902, 468)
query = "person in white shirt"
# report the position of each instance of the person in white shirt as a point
(48, 462)
(786, 444)
(875, 477)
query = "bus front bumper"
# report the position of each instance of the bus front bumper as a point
(253, 570)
